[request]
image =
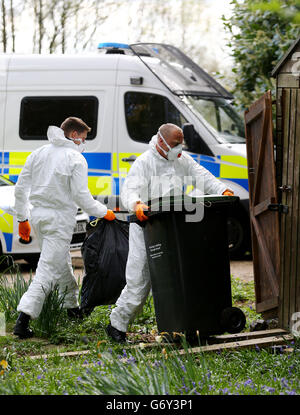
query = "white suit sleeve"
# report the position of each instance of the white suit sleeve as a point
(132, 186)
(22, 191)
(211, 185)
(80, 191)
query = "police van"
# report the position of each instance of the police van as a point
(124, 93)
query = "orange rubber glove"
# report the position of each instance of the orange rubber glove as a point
(139, 211)
(24, 230)
(228, 193)
(109, 215)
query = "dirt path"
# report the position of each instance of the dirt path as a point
(242, 270)
(239, 269)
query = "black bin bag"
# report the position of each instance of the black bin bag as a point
(104, 252)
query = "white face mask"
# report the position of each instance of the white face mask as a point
(174, 152)
(81, 147)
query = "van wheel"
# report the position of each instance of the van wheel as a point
(239, 239)
(33, 261)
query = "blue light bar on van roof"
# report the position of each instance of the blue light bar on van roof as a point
(113, 45)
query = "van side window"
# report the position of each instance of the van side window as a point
(145, 113)
(37, 113)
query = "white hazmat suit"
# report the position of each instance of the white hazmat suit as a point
(55, 181)
(138, 186)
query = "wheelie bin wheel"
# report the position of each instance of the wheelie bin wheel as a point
(232, 320)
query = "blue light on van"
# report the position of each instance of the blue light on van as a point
(113, 45)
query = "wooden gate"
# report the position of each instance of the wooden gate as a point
(264, 215)
(290, 223)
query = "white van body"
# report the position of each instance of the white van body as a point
(104, 89)
(10, 242)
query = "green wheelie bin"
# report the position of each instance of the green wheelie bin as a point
(189, 265)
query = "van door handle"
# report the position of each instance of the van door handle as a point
(130, 159)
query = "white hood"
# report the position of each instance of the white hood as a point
(152, 144)
(57, 137)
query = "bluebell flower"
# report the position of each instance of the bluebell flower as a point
(183, 368)
(131, 360)
(268, 388)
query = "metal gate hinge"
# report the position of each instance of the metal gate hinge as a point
(285, 188)
(278, 207)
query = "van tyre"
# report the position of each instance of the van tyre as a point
(232, 320)
(33, 260)
(239, 235)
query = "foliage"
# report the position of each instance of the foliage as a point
(52, 314)
(12, 287)
(133, 373)
(160, 370)
(111, 368)
(55, 25)
(260, 31)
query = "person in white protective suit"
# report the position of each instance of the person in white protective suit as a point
(55, 181)
(164, 159)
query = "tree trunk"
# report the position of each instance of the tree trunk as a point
(4, 32)
(12, 24)
(40, 25)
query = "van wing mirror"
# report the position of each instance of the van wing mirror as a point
(194, 142)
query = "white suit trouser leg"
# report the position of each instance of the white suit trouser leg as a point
(54, 267)
(138, 284)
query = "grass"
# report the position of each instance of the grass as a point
(110, 368)
(12, 287)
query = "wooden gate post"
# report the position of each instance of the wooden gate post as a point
(287, 73)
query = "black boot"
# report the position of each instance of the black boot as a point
(21, 328)
(75, 313)
(115, 334)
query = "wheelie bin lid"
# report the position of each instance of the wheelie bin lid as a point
(185, 203)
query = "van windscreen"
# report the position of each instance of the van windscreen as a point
(220, 115)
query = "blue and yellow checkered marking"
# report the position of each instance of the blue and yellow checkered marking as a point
(7, 228)
(8, 240)
(107, 183)
(98, 160)
(227, 167)
(233, 168)
(212, 164)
